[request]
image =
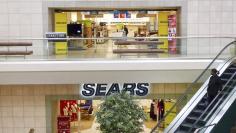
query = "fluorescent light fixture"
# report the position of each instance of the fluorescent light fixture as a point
(74, 16)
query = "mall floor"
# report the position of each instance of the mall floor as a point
(105, 50)
(88, 124)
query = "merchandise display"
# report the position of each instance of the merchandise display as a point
(74, 30)
(101, 24)
(86, 110)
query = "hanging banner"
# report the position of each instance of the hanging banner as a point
(122, 14)
(128, 14)
(163, 29)
(116, 14)
(61, 26)
(172, 33)
(69, 108)
(63, 124)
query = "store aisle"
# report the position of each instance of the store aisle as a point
(95, 129)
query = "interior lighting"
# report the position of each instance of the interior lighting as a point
(74, 16)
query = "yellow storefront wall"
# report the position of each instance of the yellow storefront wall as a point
(61, 26)
(163, 28)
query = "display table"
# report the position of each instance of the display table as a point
(139, 50)
(116, 34)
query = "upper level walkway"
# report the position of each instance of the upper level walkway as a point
(180, 63)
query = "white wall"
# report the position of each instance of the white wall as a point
(22, 19)
(210, 18)
(24, 107)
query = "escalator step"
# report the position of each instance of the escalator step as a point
(232, 68)
(187, 125)
(223, 79)
(203, 104)
(198, 111)
(224, 93)
(192, 117)
(181, 131)
(228, 86)
(228, 73)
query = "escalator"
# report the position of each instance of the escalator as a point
(197, 115)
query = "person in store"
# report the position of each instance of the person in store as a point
(214, 85)
(126, 31)
(161, 109)
(153, 110)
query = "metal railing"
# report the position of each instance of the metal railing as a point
(188, 90)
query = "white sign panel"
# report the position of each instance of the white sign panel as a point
(104, 89)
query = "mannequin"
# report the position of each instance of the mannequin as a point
(65, 111)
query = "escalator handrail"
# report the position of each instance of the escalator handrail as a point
(206, 109)
(195, 81)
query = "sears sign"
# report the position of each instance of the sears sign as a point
(103, 89)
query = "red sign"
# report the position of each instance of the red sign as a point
(122, 15)
(63, 131)
(69, 108)
(63, 124)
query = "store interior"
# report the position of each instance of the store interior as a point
(102, 24)
(78, 112)
(79, 115)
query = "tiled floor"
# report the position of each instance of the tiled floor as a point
(94, 129)
(91, 126)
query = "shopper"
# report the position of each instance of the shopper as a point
(153, 114)
(126, 31)
(214, 85)
(161, 109)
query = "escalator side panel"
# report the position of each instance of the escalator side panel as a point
(225, 116)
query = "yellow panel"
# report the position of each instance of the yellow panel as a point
(172, 115)
(163, 28)
(61, 26)
(61, 48)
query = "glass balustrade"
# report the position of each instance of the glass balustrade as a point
(114, 48)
